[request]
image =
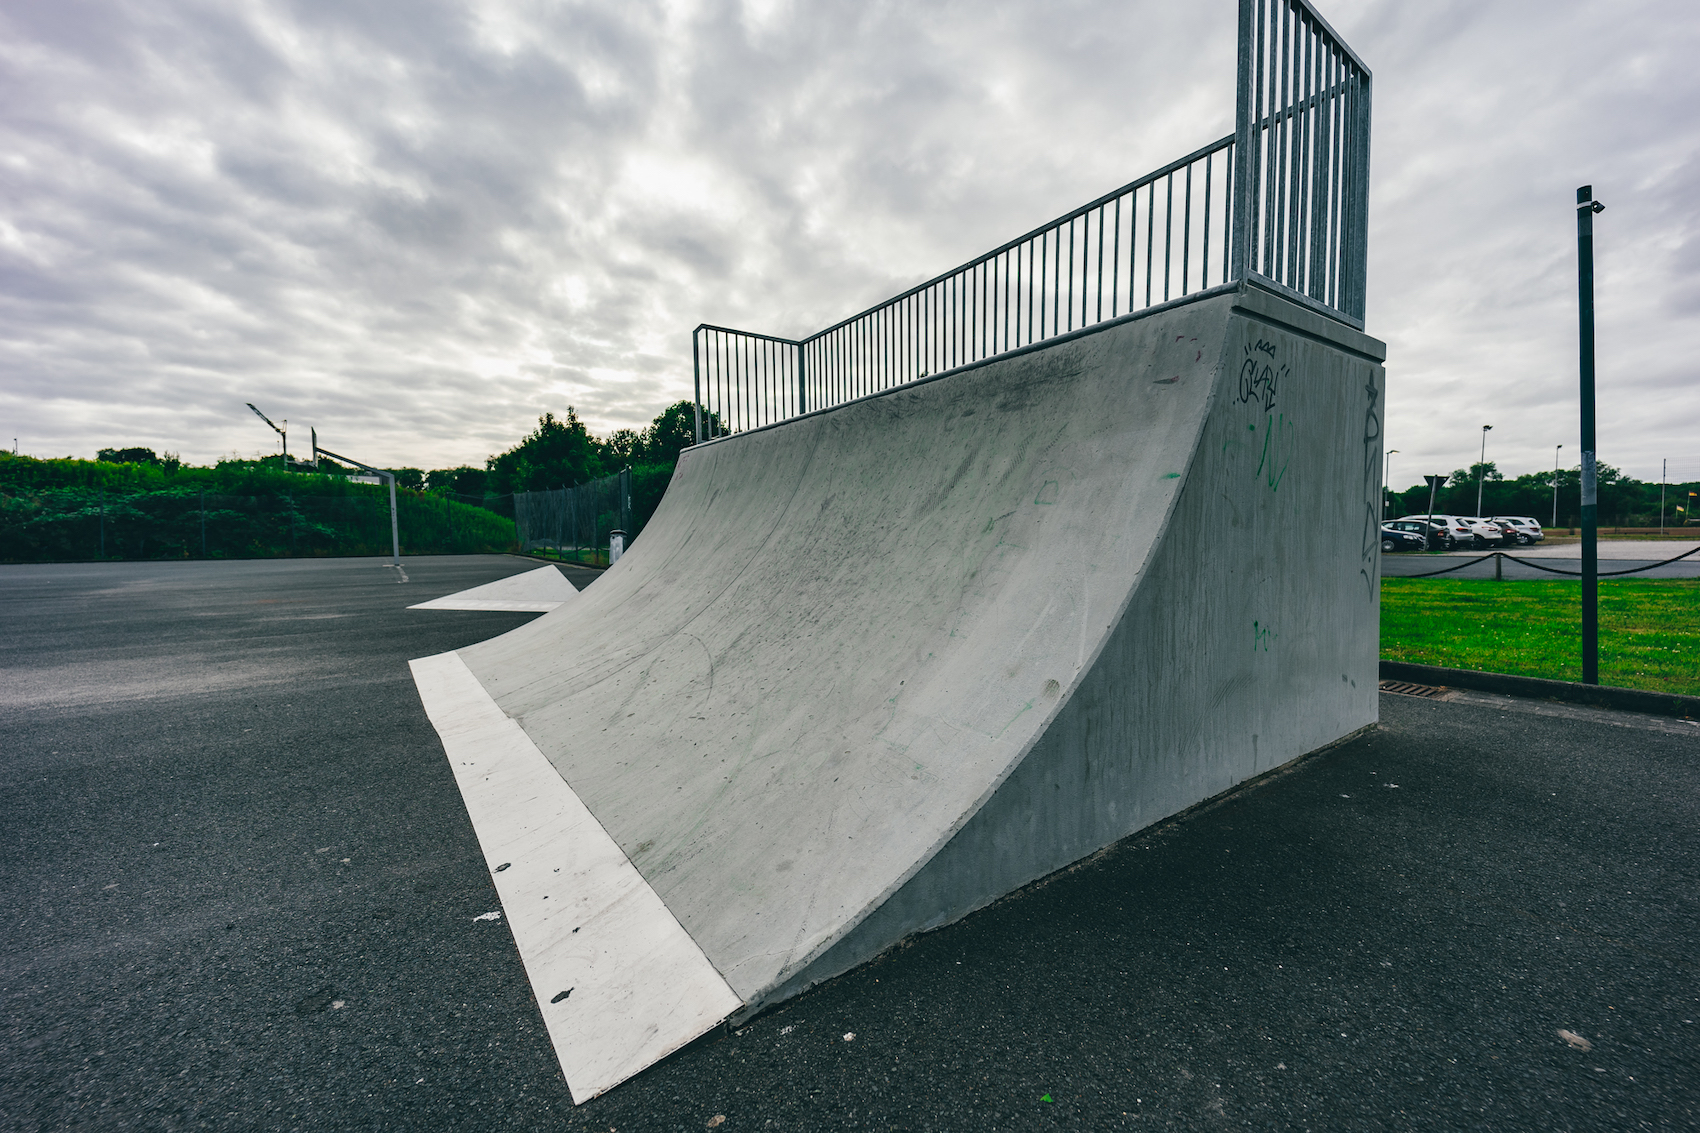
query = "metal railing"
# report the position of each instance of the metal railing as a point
(1283, 200)
(1303, 103)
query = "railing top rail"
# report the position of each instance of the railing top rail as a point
(1074, 214)
(1334, 37)
(750, 333)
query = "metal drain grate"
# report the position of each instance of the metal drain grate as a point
(1406, 688)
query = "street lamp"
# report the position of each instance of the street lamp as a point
(1386, 480)
(1481, 469)
(1555, 485)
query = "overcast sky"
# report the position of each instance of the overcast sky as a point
(418, 225)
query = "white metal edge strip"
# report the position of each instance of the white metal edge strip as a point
(585, 921)
(532, 591)
(453, 603)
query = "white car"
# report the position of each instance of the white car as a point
(1457, 531)
(1487, 533)
(1527, 527)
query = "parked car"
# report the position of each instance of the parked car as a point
(1393, 539)
(1526, 527)
(1457, 531)
(1488, 533)
(1435, 533)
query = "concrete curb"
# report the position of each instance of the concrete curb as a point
(1598, 696)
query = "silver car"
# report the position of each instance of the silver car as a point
(1526, 528)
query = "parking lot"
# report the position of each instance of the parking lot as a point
(244, 893)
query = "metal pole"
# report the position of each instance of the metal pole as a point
(1481, 470)
(1434, 483)
(802, 385)
(1246, 129)
(1386, 480)
(1664, 474)
(203, 523)
(395, 532)
(1555, 486)
(696, 379)
(103, 523)
(1586, 207)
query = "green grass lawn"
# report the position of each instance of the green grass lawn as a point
(1649, 629)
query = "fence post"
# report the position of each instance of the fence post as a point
(626, 499)
(103, 523)
(203, 523)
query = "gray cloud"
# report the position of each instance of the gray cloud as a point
(418, 226)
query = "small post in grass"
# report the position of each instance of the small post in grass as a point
(1586, 207)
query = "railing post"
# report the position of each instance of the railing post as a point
(802, 385)
(1357, 250)
(1245, 143)
(696, 379)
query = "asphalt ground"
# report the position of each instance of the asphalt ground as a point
(242, 892)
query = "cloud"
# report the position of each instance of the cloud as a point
(417, 227)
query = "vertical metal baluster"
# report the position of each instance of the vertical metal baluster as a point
(696, 409)
(1044, 272)
(1030, 292)
(1334, 119)
(1186, 233)
(1150, 236)
(1204, 255)
(1228, 169)
(1069, 305)
(1168, 230)
(1266, 206)
(1301, 149)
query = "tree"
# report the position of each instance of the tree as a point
(560, 452)
(625, 447)
(672, 431)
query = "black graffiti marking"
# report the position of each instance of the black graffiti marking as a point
(1372, 484)
(1266, 347)
(1259, 381)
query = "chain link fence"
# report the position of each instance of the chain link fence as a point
(575, 524)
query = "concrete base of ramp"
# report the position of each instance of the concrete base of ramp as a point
(868, 670)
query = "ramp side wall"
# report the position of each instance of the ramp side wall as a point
(1252, 640)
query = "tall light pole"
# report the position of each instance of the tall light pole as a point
(1555, 485)
(1481, 469)
(1386, 480)
(1664, 474)
(1586, 207)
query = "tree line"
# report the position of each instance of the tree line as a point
(136, 503)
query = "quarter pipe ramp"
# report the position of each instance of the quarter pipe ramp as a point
(868, 670)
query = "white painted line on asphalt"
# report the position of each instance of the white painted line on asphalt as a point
(619, 981)
(535, 591)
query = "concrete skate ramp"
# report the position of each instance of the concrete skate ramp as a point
(868, 670)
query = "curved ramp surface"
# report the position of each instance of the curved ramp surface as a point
(870, 669)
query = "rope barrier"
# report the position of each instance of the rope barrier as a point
(1552, 570)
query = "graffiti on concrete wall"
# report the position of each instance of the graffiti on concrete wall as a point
(1260, 382)
(1371, 567)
